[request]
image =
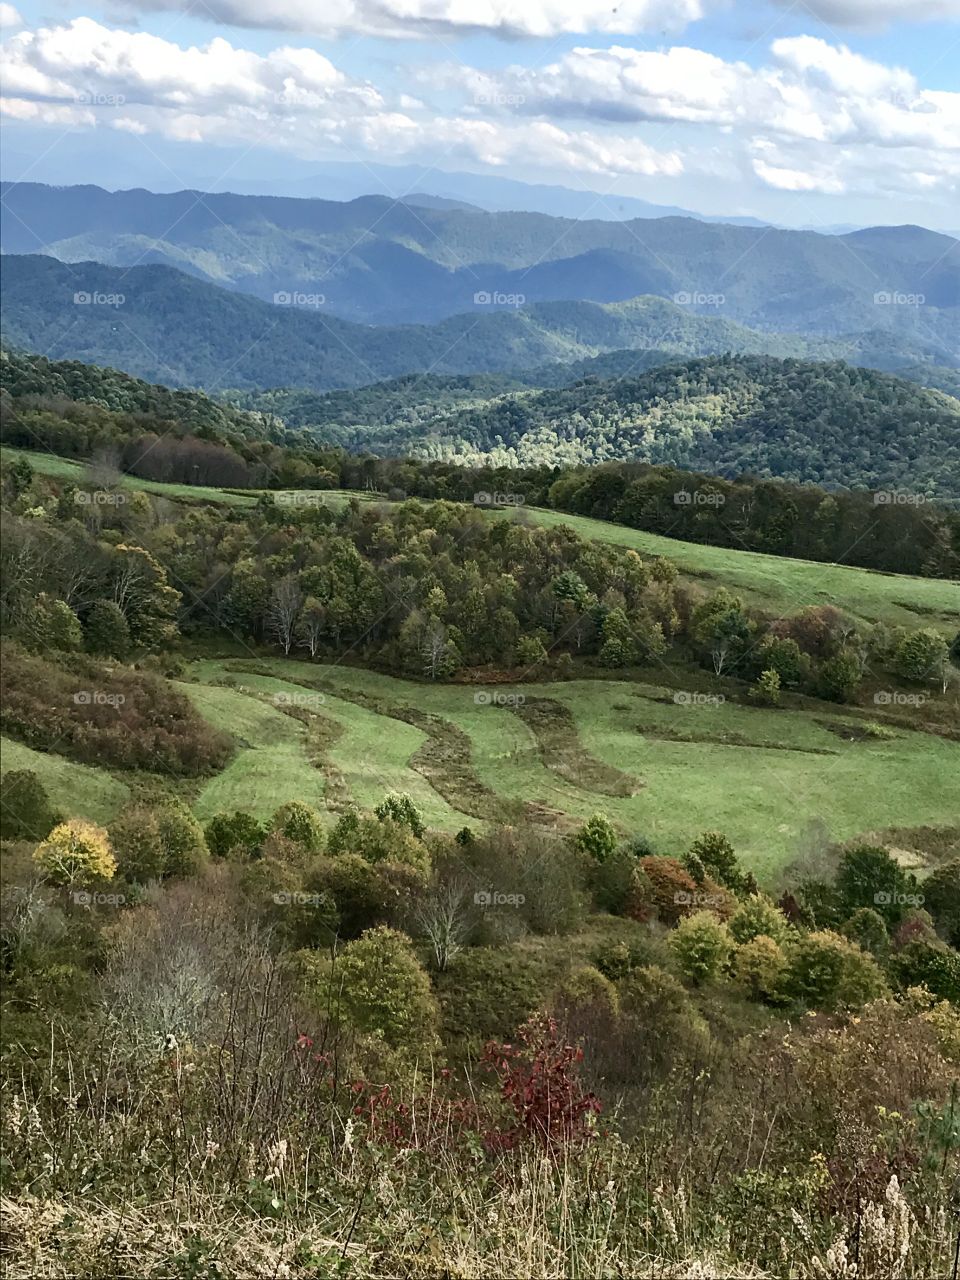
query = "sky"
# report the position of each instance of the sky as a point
(803, 112)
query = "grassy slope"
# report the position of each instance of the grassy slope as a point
(50, 464)
(76, 789)
(740, 768)
(780, 584)
(272, 765)
(761, 776)
(776, 584)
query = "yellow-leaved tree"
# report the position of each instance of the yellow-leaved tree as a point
(76, 852)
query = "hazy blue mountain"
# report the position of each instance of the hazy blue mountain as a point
(374, 260)
(167, 326)
(170, 167)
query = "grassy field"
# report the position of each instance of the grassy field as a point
(76, 789)
(273, 765)
(781, 585)
(664, 769)
(667, 770)
(50, 464)
(334, 736)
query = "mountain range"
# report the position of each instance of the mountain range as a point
(167, 326)
(374, 260)
(167, 167)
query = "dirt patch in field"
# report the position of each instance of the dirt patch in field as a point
(923, 612)
(917, 848)
(854, 732)
(663, 733)
(445, 759)
(562, 752)
(322, 733)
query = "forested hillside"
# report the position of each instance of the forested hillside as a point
(895, 529)
(805, 422)
(383, 879)
(166, 326)
(32, 379)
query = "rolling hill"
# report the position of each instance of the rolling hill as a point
(377, 260)
(27, 375)
(803, 421)
(167, 326)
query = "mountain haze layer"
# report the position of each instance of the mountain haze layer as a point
(375, 260)
(167, 326)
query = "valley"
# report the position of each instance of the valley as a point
(480, 700)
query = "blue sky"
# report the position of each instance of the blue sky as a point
(813, 113)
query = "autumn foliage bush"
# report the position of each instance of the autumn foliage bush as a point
(106, 714)
(539, 1078)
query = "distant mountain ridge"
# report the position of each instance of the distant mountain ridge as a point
(166, 326)
(333, 180)
(374, 260)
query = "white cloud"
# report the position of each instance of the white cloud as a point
(291, 99)
(46, 113)
(886, 173)
(820, 107)
(9, 17)
(811, 90)
(509, 19)
(816, 117)
(85, 57)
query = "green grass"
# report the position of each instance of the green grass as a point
(77, 790)
(273, 765)
(50, 464)
(779, 584)
(762, 776)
